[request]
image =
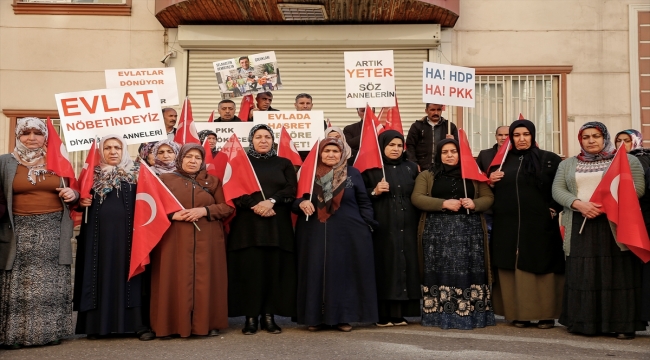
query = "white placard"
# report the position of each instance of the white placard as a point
(369, 78)
(448, 84)
(305, 127)
(248, 74)
(133, 113)
(225, 129)
(163, 78)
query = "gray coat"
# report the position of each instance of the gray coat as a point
(8, 166)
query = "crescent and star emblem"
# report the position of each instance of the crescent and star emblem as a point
(152, 204)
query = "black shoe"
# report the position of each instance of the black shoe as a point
(213, 332)
(625, 336)
(521, 324)
(146, 335)
(268, 324)
(55, 342)
(546, 324)
(250, 327)
(93, 337)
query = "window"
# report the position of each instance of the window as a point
(73, 7)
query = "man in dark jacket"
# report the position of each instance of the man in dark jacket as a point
(425, 133)
(226, 110)
(485, 157)
(263, 102)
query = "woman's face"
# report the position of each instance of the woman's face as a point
(626, 139)
(334, 134)
(192, 161)
(212, 140)
(592, 140)
(262, 141)
(449, 154)
(522, 138)
(112, 152)
(331, 155)
(165, 153)
(32, 138)
(394, 149)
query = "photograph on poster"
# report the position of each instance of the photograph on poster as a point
(248, 74)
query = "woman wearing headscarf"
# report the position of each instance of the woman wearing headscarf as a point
(452, 239)
(166, 153)
(188, 266)
(105, 301)
(35, 257)
(336, 132)
(526, 245)
(261, 259)
(603, 284)
(395, 241)
(145, 152)
(211, 137)
(633, 141)
(336, 272)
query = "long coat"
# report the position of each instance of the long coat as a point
(523, 232)
(189, 282)
(395, 241)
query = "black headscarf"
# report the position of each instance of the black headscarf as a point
(531, 162)
(384, 139)
(251, 149)
(440, 168)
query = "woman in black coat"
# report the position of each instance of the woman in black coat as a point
(526, 244)
(395, 242)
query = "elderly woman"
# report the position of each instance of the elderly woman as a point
(337, 133)
(105, 301)
(145, 152)
(452, 237)
(526, 241)
(395, 242)
(211, 137)
(336, 272)
(602, 292)
(188, 266)
(35, 248)
(165, 152)
(261, 259)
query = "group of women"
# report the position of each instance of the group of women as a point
(372, 247)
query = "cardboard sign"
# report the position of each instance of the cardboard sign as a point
(369, 79)
(224, 131)
(133, 113)
(163, 78)
(305, 127)
(448, 85)
(248, 74)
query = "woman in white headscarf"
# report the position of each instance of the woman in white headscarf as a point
(35, 286)
(106, 302)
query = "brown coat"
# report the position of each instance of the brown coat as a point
(189, 282)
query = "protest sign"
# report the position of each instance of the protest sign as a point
(305, 127)
(448, 85)
(224, 131)
(163, 78)
(369, 79)
(248, 74)
(131, 112)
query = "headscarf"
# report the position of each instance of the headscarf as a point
(33, 159)
(146, 149)
(608, 151)
(108, 177)
(384, 139)
(330, 181)
(204, 134)
(160, 166)
(440, 168)
(347, 151)
(181, 154)
(531, 163)
(637, 138)
(251, 149)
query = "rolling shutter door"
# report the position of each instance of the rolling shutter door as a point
(318, 73)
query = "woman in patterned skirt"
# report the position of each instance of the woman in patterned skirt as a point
(35, 276)
(452, 238)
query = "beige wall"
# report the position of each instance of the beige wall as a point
(41, 55)
(590, 35)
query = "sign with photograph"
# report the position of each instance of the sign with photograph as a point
(369, 79)
(163, 78)
(448, 85)
(248, 74)
(224, 131)
(304, 127)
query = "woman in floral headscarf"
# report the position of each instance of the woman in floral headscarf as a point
(166, 153)
(35, 285)
(602, 290)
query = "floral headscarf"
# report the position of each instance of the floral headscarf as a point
(637, 138)
(251, 149)
(160, 166)
(108, 177)
(21, 152)
(330, 181)
(608, 151)
(347, 151)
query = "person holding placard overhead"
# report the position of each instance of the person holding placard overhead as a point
(261, 259)
(425, 133)
(526, 245)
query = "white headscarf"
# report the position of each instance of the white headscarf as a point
(346, 148)
(125, 164)
(108, 177)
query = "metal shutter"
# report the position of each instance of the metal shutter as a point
(318, 73)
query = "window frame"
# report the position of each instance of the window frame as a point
(23, 8)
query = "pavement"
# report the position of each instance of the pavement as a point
(366, 341)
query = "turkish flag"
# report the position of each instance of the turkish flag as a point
(369, 155)
(209, 159)
(501, 154)
(58, 161)
(521, 117)
(186, 132)
(329, 124)
(307, 173)
(211, 119)
(235, 161)
(391, 118)
(245, 107)
(153, 201)
(287, 149)
(88, 172)
(619, 202)
(468, 167)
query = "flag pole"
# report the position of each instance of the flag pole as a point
(185, 128)
(504, 156)
(313, 177)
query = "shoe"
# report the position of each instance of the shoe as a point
(146, 335)
(55, 342)
(345, 327)
(318, 327)
(399, 322)
(93, 337)
(521, 324)
(268, 324)
(384, 323)
(213, 332)
(545, 324)
(250, 326)
(625, 336)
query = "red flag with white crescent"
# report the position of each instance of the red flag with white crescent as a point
(369, 155)
(468, 167)
(58, 161)
(307, 173)
(245, 107)
(234, 161)
(153, 201)
(86, 177)
(287, 149)
(186, 132)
